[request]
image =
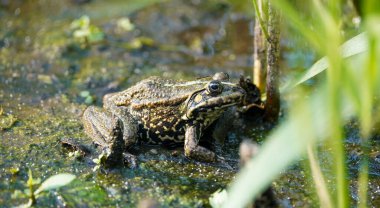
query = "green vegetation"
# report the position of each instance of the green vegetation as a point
(85, 32)
(318, 118)
(55, 62)
(88, 99)
(52, 183)
(6, 120)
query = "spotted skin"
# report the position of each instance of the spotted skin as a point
(161, 111)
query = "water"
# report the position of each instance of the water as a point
(48, 77)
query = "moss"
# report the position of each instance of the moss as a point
(42, 75)
(34, 143)
(6, 120)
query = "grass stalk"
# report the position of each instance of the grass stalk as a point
(32, 196)
(365, 111)
(320, 184)
(331, 34)
(363, 181)
(258, 5)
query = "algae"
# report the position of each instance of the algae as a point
(47, 79)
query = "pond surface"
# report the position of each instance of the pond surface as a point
(48, 76)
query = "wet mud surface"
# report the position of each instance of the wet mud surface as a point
(48, 77)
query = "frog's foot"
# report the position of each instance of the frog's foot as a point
(130, 160)
(193, 149)
(106, 130)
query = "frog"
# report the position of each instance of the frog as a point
(159, 111)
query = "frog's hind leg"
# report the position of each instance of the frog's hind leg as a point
(106, 130)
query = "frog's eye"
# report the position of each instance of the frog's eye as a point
(215, 87)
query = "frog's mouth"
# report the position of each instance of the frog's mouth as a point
(210, 104)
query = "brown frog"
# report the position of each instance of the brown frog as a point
(161, 111)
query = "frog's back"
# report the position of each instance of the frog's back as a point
(156, 104)
(154, 92)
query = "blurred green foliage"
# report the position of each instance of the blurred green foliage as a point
(52, 183)
(86, 32)
(318, 118)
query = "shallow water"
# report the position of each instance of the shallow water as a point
(48, 77)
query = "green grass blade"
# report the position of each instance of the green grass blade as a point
(251, 181)
(319, 181)
(286, 145)
(55, 182)
(261, 19)
(353, 46)
(298, 23)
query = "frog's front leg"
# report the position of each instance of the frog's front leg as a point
(192, 148)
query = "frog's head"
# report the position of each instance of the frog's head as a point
(208, 103)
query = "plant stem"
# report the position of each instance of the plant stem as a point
(318, 178)
(363, 182)
(259, 51)
(272, 106)
(32, 197)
